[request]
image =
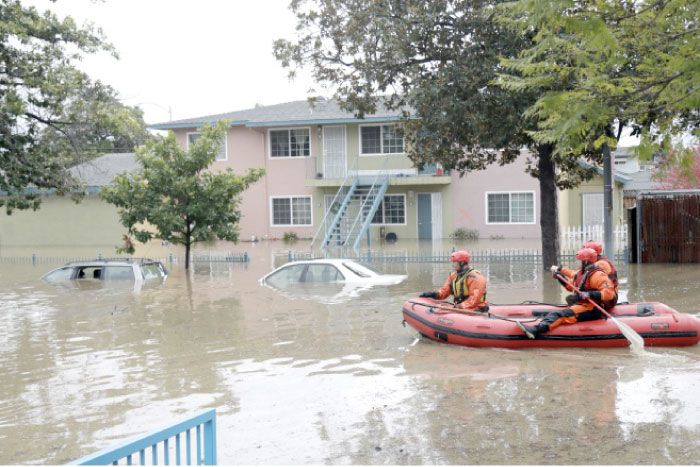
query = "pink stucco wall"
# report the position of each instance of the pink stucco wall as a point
(248, 148)
(469, 202)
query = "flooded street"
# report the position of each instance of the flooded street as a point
(330, 375)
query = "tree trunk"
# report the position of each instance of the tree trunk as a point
(187, 254)
(549, 214)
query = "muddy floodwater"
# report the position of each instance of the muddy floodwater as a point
(328, 375)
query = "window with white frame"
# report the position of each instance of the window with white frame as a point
(290, 142)
(291, 210)
(381, 139)
(510, 207)
(391, 210)
(220, 156)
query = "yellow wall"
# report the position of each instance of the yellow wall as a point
(61, 222)
(571, 204)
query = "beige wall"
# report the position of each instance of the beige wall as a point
(61, 222)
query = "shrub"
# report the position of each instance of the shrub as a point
(290, 237)
(465, 234)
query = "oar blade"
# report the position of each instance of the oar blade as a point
(636, 341)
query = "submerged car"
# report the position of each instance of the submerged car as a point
(344, 271)
(134, 270)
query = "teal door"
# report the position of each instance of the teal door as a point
(425, 218)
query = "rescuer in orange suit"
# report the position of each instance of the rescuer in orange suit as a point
(594, 285)
(466, 284)
(604, 262)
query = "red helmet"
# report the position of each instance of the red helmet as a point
(461, 256)
(594, 246)
(587, 254)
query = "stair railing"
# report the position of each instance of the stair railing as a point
(379, 180)
(351, 175)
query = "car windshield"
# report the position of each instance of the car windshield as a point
(62, 274)
(360, 270)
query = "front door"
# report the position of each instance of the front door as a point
(425, 225)
(334, 157)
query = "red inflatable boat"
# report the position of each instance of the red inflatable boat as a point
(658, 324)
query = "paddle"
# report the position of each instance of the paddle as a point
(450, 308)
(460, 310)
(636, 341)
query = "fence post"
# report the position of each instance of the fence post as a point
(34, 259)
(171, 258)
(245, 257)
(99, 256)
(289, 256)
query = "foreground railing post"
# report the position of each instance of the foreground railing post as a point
(210, 442)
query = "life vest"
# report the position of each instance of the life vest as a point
(582, 279)
(460, 288)
(582, 282)
(613, 271)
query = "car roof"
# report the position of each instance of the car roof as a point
(111, 262)
(334, 261)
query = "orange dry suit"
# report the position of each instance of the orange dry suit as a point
(609, 268)
(598, 285)
(468, 287)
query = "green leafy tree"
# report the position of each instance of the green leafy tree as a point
(101, 124)
(175, 197)
(51, 114)
(631, 64)
(436, 60)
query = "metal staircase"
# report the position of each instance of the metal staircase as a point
(350, 215)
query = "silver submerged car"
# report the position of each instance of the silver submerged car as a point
(133, 270)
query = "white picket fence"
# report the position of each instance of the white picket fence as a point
(575, 236)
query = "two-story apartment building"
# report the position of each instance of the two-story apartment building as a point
(330, 172)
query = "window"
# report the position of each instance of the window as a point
(290, 143)
(287, 275)
(119, 273)
(391, 210)
(510, 208)
(323, 273)
(220, 156)
(291, 210)
(381, 139)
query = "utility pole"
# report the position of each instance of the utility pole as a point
(608, 202)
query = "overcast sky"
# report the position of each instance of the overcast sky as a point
(189, 58)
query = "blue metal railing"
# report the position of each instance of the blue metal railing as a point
(148, 445)
(369, 206)
(339, 202)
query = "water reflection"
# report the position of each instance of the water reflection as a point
(298, 379)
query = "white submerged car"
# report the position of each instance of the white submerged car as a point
(318, 271)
